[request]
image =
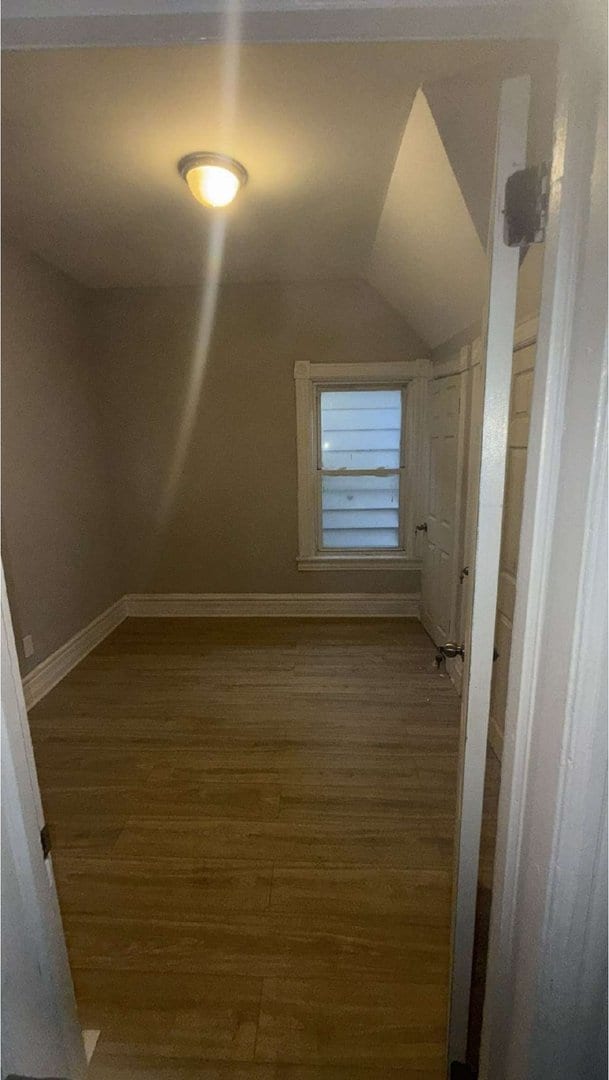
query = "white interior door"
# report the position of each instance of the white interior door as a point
(478, 661)
(41, 1035)
(446, 413)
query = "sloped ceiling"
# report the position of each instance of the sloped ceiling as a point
(427, 258)
(465, 113)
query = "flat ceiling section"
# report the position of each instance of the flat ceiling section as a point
(348, 179)
(92, 139)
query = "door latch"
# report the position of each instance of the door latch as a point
(464, 573)
(421, 528)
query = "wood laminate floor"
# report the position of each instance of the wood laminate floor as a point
(252, 823)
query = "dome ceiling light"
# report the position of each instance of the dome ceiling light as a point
(213, 179)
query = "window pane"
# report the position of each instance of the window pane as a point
(360, 459)
(361, 538)
(361, 429)
(360, 511)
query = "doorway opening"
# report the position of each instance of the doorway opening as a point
(251, 815)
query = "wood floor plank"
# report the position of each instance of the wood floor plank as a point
(174, 888)
(86, 832)
(381, 803)
(269, 943)
(193, 1015)
(346, 1022)
(204, 798)
(425, 844)
(421, 897)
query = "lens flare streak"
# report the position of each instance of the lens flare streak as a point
(213, 266)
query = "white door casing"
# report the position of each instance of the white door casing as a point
(40, 1026)
(545, 1011)
(498, 338)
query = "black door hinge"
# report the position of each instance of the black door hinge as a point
(526, 206)
(45, 841)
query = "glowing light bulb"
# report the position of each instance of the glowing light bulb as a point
(212, 179)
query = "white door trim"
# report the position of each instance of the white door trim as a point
(547, 871)
(452, 365)
(23, 819)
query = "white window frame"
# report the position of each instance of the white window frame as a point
(310, 379)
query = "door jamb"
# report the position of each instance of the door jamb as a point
(546, 787)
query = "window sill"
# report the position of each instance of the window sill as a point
(358, 562)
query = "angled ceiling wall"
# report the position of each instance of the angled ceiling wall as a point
(465, 113)
(427, 259)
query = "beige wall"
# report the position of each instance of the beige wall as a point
(232, 523)
(441, 290)
(60, 550)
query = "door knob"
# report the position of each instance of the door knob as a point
(448, 652)
(451, 649)
(421, 528)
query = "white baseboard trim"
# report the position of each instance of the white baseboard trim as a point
(49, 672)
(297, 605)
(495, 738)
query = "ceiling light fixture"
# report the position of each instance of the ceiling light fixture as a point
(213, 179)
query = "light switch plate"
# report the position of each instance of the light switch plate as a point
(28, 646)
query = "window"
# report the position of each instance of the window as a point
(358, 464)
(359, 469)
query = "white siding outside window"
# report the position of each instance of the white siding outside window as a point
(359, 466)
